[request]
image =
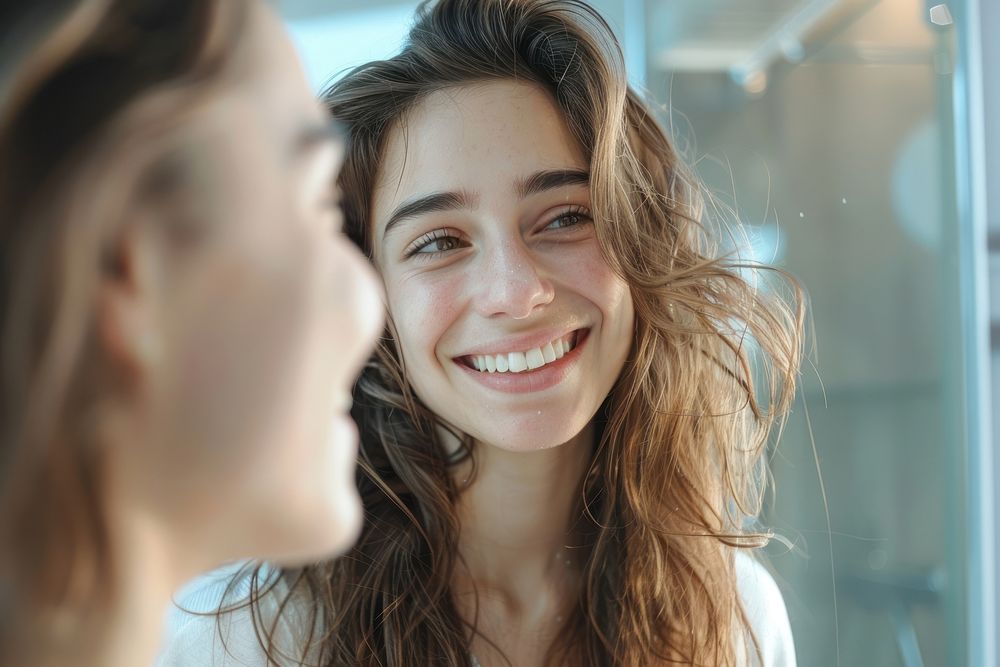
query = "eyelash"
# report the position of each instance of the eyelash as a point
(417, 246)
(573, 211)
(429, 238)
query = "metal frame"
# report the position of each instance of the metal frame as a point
(989, 21)
(972, 184)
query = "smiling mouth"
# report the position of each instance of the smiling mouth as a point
(525, 360)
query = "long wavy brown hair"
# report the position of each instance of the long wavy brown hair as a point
(677, 475)
(87, 89)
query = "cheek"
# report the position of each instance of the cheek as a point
(249, 364)
(247, 333)
(423, 307)
(619, 317)
(590, 276)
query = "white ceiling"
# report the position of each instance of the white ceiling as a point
(299, 9)
(739, 37)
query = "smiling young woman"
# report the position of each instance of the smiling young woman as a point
(562, 430)
(506, 267)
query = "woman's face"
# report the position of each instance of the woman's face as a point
(264, 319)
(511, 324)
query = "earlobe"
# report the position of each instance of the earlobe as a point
(126, 333)
(126, 324)
(149, 349)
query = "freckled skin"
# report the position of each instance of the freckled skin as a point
(512, 274)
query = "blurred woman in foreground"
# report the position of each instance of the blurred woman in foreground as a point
(181, 319)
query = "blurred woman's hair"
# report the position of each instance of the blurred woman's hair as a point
(91, 92)
(678, 473)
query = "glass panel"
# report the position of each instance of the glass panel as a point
(335, 36)
(828, 126)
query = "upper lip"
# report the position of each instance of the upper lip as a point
(521, 342)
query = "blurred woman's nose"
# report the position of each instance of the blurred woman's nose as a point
(358, 278)
(512, 283)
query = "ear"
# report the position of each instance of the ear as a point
(128, 321)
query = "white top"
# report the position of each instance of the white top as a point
(199, 641)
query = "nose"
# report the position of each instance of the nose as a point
(373, 299)
(512, 283)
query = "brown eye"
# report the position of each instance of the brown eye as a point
(438, 241)
(441, 244)
(568, 219)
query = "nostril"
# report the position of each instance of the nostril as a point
(515, 290)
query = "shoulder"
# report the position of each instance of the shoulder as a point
(197, 636)
(765, 611)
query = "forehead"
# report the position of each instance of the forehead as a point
(240, 139)
(268, 74)
(480, 138)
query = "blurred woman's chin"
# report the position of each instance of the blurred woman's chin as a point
(328, 533)
(347, 527)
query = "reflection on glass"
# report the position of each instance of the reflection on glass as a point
(833, 127)
(827, 126)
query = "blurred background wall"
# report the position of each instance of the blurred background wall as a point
(859, 142)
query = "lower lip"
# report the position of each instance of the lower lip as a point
(526, 382)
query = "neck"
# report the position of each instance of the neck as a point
(517, 514)
(147, 578)
(127, 631)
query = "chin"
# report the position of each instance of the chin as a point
(327, 534)
(531, 435)
(349, 523)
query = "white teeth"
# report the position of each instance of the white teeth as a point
(534, 358)
(517, 362)
(549, 353)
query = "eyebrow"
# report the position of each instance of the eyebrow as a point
(314, 134)
(550, 179)
(432, 203)
(451, 201)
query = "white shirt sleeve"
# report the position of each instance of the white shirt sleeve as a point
(195, 640)
(211, 642)
(231, 640)
(765, 610)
